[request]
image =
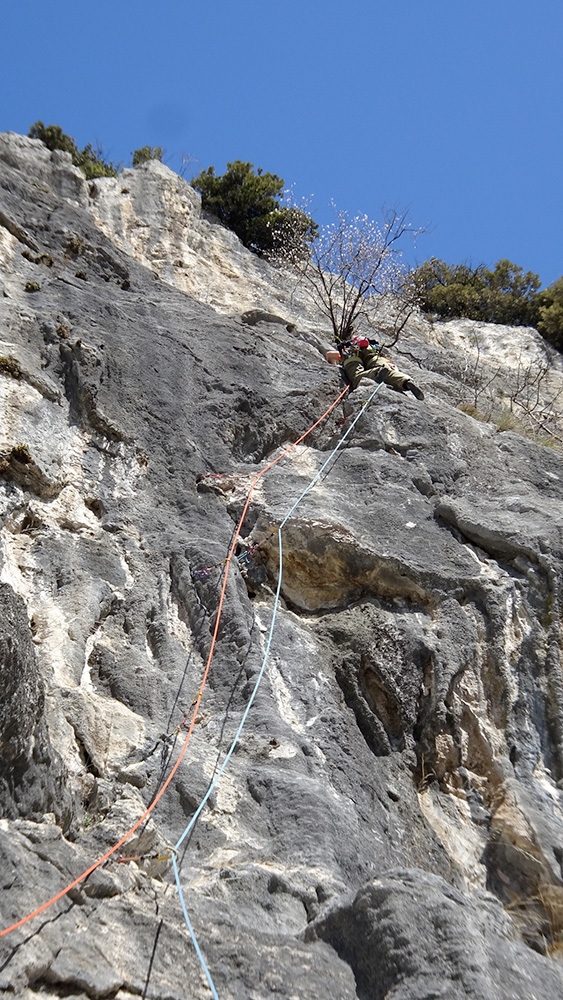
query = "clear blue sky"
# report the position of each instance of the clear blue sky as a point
(452, 108)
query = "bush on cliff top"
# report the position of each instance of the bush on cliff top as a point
(507, 294)
(550, 305)
(248, 202)
(146, 153)
(90, 160)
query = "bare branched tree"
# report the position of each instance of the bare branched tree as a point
(479, 377)
(186, 162)
(534, 395)
(353, 272)
(527, 397)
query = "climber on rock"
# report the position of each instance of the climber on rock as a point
(361, 358)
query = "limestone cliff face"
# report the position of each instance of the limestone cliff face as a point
(390, 823)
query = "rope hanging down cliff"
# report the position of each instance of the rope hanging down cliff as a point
(147, 812)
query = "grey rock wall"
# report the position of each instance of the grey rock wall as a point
(32, 775)
(389, 825)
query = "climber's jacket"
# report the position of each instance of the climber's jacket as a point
(367, 351)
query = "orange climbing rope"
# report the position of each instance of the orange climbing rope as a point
(83, 875)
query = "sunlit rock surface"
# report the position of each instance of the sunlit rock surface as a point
(389, 825)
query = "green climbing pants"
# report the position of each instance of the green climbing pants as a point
(367, 363)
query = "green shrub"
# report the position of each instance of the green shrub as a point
(10, 366)
(550, 304)
(90, 160)
(146, 153)
(92, 164)
(287, 228)
(42, 258)
(74, 244)
(248, 203)
(507, 294)
(53, 137)
(21, 453)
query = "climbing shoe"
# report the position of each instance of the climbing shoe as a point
(411, 387)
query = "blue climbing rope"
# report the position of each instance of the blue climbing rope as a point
(198, 950)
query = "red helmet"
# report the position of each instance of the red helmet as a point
(361, 342)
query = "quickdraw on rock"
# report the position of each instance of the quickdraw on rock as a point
(242, 559)
(203, 573)
(246, 556)
(124, 859)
